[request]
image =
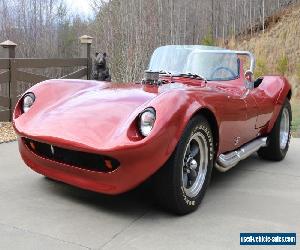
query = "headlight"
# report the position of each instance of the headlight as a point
(28, 101)
(146, 122)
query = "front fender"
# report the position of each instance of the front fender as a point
(174, 110)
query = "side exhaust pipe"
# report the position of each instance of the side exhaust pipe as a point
(229, 160)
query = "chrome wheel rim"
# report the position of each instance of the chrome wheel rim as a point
(284, 128)
(194, 166)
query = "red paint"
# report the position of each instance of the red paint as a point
(101, 118)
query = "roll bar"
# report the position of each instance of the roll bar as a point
(251, 57)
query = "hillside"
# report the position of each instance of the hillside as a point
(277, 51)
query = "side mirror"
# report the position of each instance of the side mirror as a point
(249, 80)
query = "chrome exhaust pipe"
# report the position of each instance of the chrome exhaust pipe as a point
(229, 160)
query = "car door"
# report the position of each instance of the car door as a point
(239, 115)
(264, 96)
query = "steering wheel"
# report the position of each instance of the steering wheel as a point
(222, 68)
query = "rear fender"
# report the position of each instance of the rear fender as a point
(284, 92)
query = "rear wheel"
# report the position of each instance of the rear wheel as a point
(180, 185)
(279, 139)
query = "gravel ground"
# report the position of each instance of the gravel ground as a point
(7, 132)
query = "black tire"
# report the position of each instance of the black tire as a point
(169, 180)
(273, 151)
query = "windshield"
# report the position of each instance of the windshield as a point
(205, 61)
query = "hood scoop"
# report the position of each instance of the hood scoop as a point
(151, 78)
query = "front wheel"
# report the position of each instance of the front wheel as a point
(180, 185)
(279, 138)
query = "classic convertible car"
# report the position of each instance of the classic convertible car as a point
(195, 110)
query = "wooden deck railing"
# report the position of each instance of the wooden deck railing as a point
(13, 73)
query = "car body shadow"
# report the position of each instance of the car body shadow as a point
(140, 199)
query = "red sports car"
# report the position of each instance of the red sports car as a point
(195, 110)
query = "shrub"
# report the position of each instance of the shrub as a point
(261, 67)
(208, 39)
(282, 65)
(298, 71)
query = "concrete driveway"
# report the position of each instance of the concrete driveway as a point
(256, 196)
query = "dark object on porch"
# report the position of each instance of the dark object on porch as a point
(100, 68)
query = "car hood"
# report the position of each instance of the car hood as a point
(84, 112)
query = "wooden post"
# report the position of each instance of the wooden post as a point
(86, 41)
(11, 46)
(12, 85)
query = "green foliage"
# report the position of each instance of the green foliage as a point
(298, 71)
(208, 39)
(261, 67)
(67, 35)
(296, 117)
(282, 65)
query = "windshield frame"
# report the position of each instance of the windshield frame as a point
(234, 61)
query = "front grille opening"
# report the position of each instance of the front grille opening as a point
(83, 160)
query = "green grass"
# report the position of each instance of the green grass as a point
(296, 117)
